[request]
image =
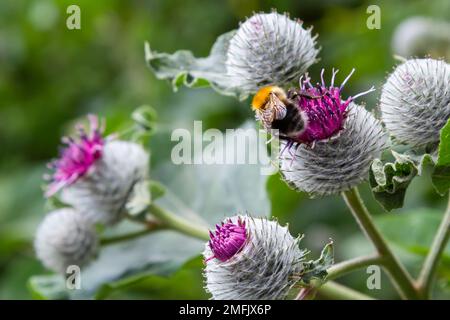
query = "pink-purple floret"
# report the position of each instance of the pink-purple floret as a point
(324, 108)
(76, 157)
(229, 239)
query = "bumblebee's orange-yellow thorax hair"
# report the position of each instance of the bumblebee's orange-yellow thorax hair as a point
(262, 96)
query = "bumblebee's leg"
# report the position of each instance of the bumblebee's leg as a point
(287, 146)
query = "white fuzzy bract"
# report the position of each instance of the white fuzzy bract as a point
(269, 48)
(102, 194)
(415, 101)
(265, 269)
(64, 238)
(336, 165)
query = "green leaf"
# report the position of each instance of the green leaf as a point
(140, 199)
(48, 287)
(143, 194)
(183, 69)
(157, 189)
(441, 174)
(148, 285)
(317, 269)
(216, 191)
(55, 203)
(162, 269)
(414, 231)
(145, 118)
(389, 181)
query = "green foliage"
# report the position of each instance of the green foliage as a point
(157, 190)
(188, 276)
(441, 174)
(48, 287)
(183, 69)
(144, 118)
(390, 181)
(413, 231)
(317, 269)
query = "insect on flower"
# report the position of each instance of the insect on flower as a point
(304, 115)
(276, 111)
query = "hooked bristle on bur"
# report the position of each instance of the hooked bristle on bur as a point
(415, 101)
(338, 164)
(251, 258)
(269, 48)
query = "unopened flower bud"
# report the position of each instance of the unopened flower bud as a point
(64, 238)
(415, 101)
(269, 48)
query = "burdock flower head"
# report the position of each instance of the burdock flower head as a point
(269, 48)
(329, 142)
(337, 165)
(77, 157)
(97, 175)
(415, 101)
(65, 237)
(250, 258)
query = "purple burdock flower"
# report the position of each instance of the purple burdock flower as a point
(256, 259)
(322, 107)
(77, 157)
(228, 240)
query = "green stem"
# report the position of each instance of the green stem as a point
(129, 236)
(333, 290)
(398, 274)
(175, 222)
(428, 272)
(344, 267)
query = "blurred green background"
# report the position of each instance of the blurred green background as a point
(50, 76)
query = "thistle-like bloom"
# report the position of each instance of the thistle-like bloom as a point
(228, 240)
(250, 258)
(98, 175)
(77, 157)
(338, 164)
(415, 101)
(322, 107)
(65, 237)
(269, 48)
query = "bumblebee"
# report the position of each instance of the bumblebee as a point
(277, 111)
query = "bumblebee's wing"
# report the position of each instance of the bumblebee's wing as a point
(274, 110)
(278, 107)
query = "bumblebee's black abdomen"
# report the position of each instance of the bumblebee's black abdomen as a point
(291, 124)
